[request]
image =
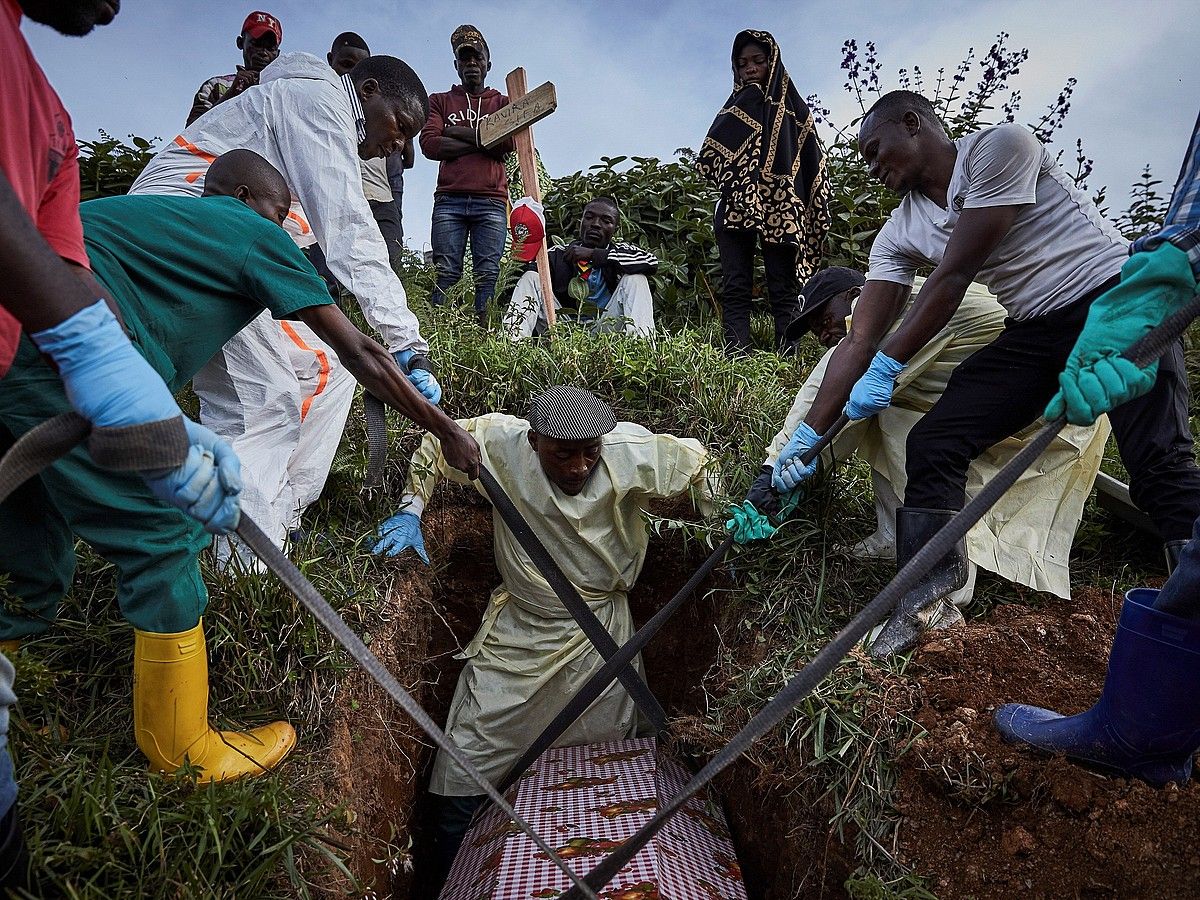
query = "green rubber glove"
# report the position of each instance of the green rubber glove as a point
(747, 524)
(1097, 378)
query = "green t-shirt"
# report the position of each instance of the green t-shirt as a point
(190, 272)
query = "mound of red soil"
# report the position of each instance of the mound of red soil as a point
(985, 819)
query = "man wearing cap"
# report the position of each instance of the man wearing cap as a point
(276, 391)
(1026, 537)
(259, 42)
(582, 480)
(471, 199)
(596, 279)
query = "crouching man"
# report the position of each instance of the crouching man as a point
(1026, 537)
(596, 280)
(187, 274)
(582, 480)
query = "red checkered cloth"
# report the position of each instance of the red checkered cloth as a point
(585, 801)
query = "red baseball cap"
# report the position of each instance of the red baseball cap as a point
(527, 226)
(259, 23)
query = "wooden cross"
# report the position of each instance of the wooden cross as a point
(516, 119)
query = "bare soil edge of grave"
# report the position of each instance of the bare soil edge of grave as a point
(983, 819)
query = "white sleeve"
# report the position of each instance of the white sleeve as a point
(888, 261)
(1002, 168)
(316, 142)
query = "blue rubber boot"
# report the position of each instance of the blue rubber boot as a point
(1147, 722)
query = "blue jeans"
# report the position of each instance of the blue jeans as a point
(485, 220)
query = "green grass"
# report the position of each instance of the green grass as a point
(99, 826)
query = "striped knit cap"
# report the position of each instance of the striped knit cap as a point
(568, 413)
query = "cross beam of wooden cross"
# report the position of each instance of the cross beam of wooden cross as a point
(531, 107)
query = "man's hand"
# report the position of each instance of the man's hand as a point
(872, 393)
(460, 449)
(207, 486)
(575, 253)
(420, 376)
(746, 523)
(245, 78)
(788, 472)
(1097, 378)
(399, 533)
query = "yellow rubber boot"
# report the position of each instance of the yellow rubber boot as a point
(10, 647)
(170, 713)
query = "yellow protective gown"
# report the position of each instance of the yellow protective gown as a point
(529, 657)
(1027, 535)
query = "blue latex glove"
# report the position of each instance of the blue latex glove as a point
(872, 393)
(397, 534)
(110, 384)
(788, 472)
(207, 486)
(107, 381)
(422, 379)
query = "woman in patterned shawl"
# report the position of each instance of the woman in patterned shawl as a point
(763, 155)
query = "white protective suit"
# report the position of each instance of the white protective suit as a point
(529, 657)
(277, 392)
(1026, 537)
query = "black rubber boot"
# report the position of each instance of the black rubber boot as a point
(914, 529)
(452, 818)
(14, 858)
(1171, 550)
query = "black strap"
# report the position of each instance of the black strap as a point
(592, 628)
(1146, 350)
(42, 445)
(603, 677)
(377, 440)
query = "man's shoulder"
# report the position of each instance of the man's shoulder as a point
(216, 81)
(629, 434)
(1007, 138)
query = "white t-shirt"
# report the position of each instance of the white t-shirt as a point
(376, 186)
(1058, 248)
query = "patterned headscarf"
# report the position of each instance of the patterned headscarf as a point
(763, 154)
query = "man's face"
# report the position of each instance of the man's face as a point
(74, 18)
(751, 64)
(568, 464)
(598, 224)
(472, 67)
(346, 58)
(829, 326)
(892, 151)
(390, 125)
(258, 52)
(272, 205)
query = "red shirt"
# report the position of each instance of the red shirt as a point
(38, 155)
(478, 174)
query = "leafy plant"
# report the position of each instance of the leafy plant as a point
(109, 166)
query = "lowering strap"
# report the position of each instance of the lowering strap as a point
(1145, 351)
(599, 682)
(42, 445)
(591, 626)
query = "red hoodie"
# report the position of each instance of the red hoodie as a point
(480, 174)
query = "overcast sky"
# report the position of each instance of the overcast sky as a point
(642, 77)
